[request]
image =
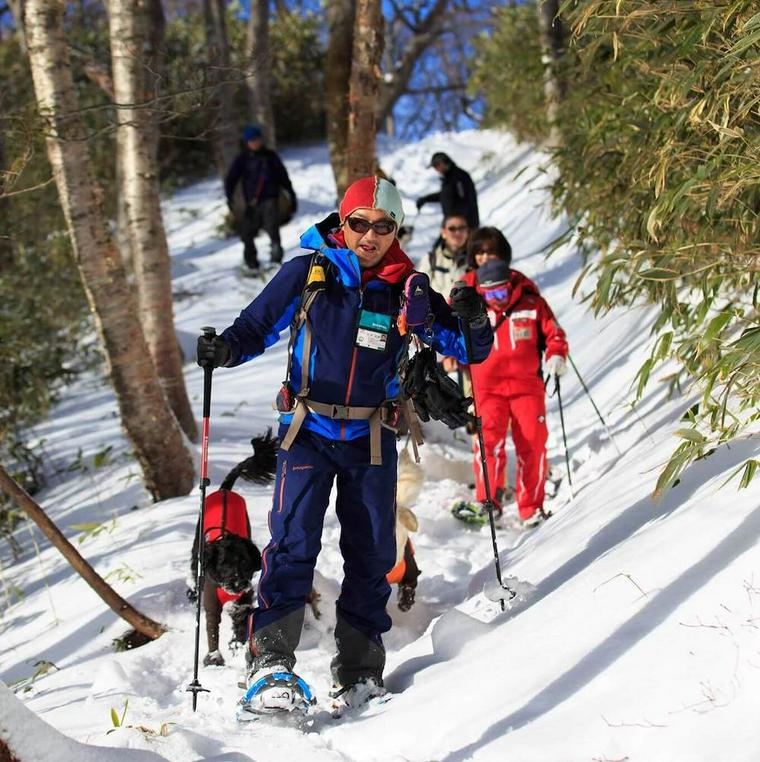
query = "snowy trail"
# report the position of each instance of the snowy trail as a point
(641, 640)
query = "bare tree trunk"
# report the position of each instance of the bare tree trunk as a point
(259, 73)
(340, 45)
(149, 423)
(364, 88)
(553, 48)
(424, 34)
(136, 45)
(224, 127)
(6, 239)
(121, 234)
(143, 624)
(17, 11)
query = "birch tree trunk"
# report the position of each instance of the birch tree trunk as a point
(340, 44)
(136, 32)
(259, 73)
(553, 48)
(364, 88)
(153, 430)
(17, 12)
(143, 624)
(224, 126)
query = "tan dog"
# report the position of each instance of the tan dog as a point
(408, 488)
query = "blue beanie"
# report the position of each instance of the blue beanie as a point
(252, 132)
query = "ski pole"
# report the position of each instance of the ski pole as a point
(487, 482)
(564, 436)
(195, 687)
(593, 404)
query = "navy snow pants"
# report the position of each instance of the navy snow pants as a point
(366, 508)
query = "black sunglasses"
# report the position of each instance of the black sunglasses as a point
(362, 226)
(485, 250)
(457, 228)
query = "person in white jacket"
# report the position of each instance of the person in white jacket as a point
(446, 262)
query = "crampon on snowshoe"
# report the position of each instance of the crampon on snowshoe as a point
(276, 692)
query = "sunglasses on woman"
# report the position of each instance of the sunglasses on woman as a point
(457, 228)
(362, 226)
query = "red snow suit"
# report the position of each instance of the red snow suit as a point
(225, 511)
(509, 390)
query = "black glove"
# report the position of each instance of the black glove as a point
(213, 352)
(467, 303)
(433, 393)
(192, 594)
(419, 203)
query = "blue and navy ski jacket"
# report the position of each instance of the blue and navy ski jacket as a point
(339, 371)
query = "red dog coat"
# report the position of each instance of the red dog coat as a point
(225, 511)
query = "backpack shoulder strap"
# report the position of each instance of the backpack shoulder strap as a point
(315, 283)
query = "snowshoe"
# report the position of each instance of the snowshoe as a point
(357, 696)
(276, 691)
(470, 512)
(250, 272)
(213, 659)
(536, 519)
(553, 482)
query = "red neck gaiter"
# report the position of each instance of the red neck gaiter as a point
(394, 267)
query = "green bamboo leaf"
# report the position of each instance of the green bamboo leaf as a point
(749, 340)
(643, 376)
(692, 435)
(672, 471)
(716, 325)
(658, 273)
(750, 469)
(114, 718)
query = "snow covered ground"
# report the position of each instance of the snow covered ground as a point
(641, 640)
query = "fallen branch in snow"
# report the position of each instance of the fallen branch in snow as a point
(142, 624)
(629, 578)
(645, 724)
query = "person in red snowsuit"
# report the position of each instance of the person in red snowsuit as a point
(508, 385)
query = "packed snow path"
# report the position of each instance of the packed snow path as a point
(641, 640)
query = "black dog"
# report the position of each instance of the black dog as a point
(230, 558)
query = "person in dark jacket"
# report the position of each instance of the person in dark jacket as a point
(262, 175)
(337, 408)
(457, 195)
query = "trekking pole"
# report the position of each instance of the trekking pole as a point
(593, 404)
(564, 436)
(487, 482)
(195, 687)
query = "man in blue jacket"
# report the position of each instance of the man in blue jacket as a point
(262, 175)
(337, 406)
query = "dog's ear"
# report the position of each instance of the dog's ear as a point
(211, 552)
(254, 556)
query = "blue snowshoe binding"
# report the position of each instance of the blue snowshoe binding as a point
(276, 692)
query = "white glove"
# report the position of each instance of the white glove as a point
(556, 366)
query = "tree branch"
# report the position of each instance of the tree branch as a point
(427, 31)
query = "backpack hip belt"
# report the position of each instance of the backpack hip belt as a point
(377, 417)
